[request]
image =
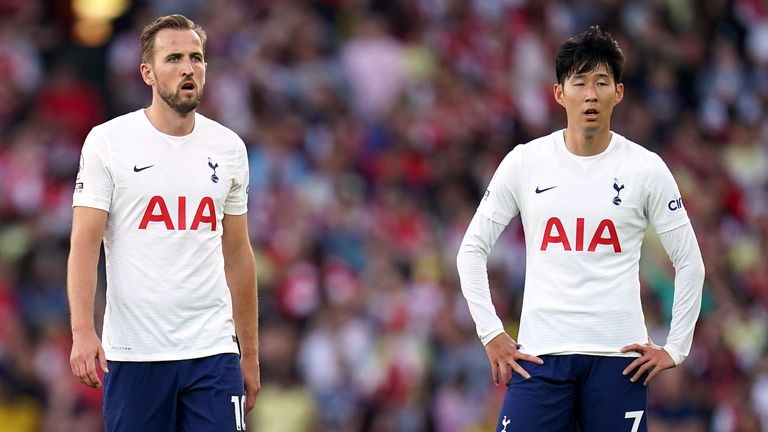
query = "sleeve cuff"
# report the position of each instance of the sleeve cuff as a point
(488, 337)
(674, 224)
(81, 201)
(236, 210)
(676, 355)
(494, 215)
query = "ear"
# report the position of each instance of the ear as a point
(557, 91)
(146, 74)
(619, 96)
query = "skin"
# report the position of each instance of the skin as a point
(88, 225)
(586, 134)
(653, 359)
(240, 271)
(178, 59)
(503, 355)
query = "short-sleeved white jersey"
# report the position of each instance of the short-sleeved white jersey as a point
(584, 220)
(167, 295)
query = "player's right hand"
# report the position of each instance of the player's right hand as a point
(86, 348)
(502, 354)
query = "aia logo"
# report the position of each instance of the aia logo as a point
(157, 211)
(605, 234)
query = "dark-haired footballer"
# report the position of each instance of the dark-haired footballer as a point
(585, 195)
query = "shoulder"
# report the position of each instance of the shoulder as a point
(539, 146)
(532, 151)
(524, 157)
(120, 123)
(102, 136)
(640, 155)
(210, 127)
(648, 166)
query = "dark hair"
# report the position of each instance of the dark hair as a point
(176, 22)
(586, 52)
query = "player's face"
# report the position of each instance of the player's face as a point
(589, 99)
(177, 72)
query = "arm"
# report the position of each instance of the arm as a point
(240, 271)
(471, 262)
(683, 249)
(88, 225)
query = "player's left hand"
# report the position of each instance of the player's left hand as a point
(252, 381)
(653, 359)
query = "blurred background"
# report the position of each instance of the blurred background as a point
(373, 126)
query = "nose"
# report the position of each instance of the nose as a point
(590, 95)
(187, 69)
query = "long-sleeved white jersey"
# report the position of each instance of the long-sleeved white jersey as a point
(584, 220)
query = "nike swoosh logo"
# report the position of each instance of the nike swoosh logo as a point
(136, 169)
(538, 191)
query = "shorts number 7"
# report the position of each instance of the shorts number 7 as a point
(637, 415)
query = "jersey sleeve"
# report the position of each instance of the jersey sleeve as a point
(500, 203)
(95, 183)
(683, 250)
(237, 199)
(471, 262)
(664, 204)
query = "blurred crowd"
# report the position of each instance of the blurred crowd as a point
(372, 127)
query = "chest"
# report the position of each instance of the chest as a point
(191, 170)
(583, 211)
(160, 187)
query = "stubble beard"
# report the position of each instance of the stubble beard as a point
(179, 103)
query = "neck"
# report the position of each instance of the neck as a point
(168, 121)
(587, 143)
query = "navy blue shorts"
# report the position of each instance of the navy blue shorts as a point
(200, 395)
(571, 393)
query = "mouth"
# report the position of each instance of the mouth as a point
(188, 86)
(591, 113)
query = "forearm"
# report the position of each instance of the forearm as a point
(240, 271)
(683, 250)
(471, 262)
(85, 246)
(81, 288)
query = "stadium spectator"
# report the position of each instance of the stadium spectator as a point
(454, 116)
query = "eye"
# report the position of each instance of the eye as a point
(578, 84)
(602, 84)
(197, 58)
(173, 59)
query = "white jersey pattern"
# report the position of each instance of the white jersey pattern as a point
(584, 220)
(167, 295)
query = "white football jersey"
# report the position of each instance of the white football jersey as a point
(167, 296)
(584, 220)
